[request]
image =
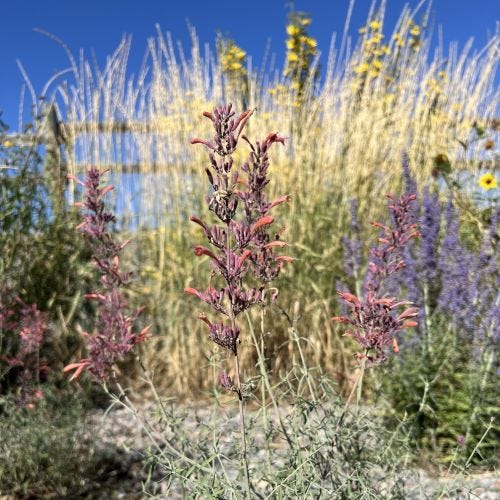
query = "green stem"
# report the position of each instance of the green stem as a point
(356, 389)
(241, 404)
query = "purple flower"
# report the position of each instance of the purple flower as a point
(353, 245)
(430, 224)
(454, 266)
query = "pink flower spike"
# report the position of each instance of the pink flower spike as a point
(409, 324)
(95, 296)
(106, 190)
(285, 258)
(204, 318)
(274, 137)
(143, 335)
(242, 120)
(244, 256)
(395, 346)
(199, 251)
(76, 179)
(280, 200)
(201, 141)
(80, 366)
(385, 301)
(349, 297)
(198, 221)
(276, 243)
(192, 291)
(340, 319)
(409, 313)
(263, 221)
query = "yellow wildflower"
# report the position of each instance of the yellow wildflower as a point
(8, 144)
(373, 73)
(292, 30)
(488, 181)
(362, 68)
(386, 49)
(415, 31)
(398, 39)
(305, 21)
(292, 57)
(310, 41)
(290, 44)
(376, 38)
(239, 53)
(377, 63)
(375, 25)
(236, 65)
(362, 31)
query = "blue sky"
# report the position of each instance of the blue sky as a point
(99, 25)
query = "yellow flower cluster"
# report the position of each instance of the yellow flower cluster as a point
(413, 32)
(374, 50)
(301, 49)
(435, 85)
(233, 65)
(415, 41)
(281, 94)
(232, 58)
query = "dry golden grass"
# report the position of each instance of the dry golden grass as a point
(344, 140)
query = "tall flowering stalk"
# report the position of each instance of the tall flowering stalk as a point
(301, 52)
(30, 326)
(373, 318)
(242, 244)
(114, 335)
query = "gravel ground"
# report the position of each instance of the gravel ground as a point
(121, 444)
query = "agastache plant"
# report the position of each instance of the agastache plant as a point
(242, 244)
(373, 316)
(31, 326)
(114, 334)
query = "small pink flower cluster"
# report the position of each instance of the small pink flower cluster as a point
(29, 324)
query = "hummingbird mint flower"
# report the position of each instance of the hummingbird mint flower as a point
(373, 317)
(114, 334)
(242, 245)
